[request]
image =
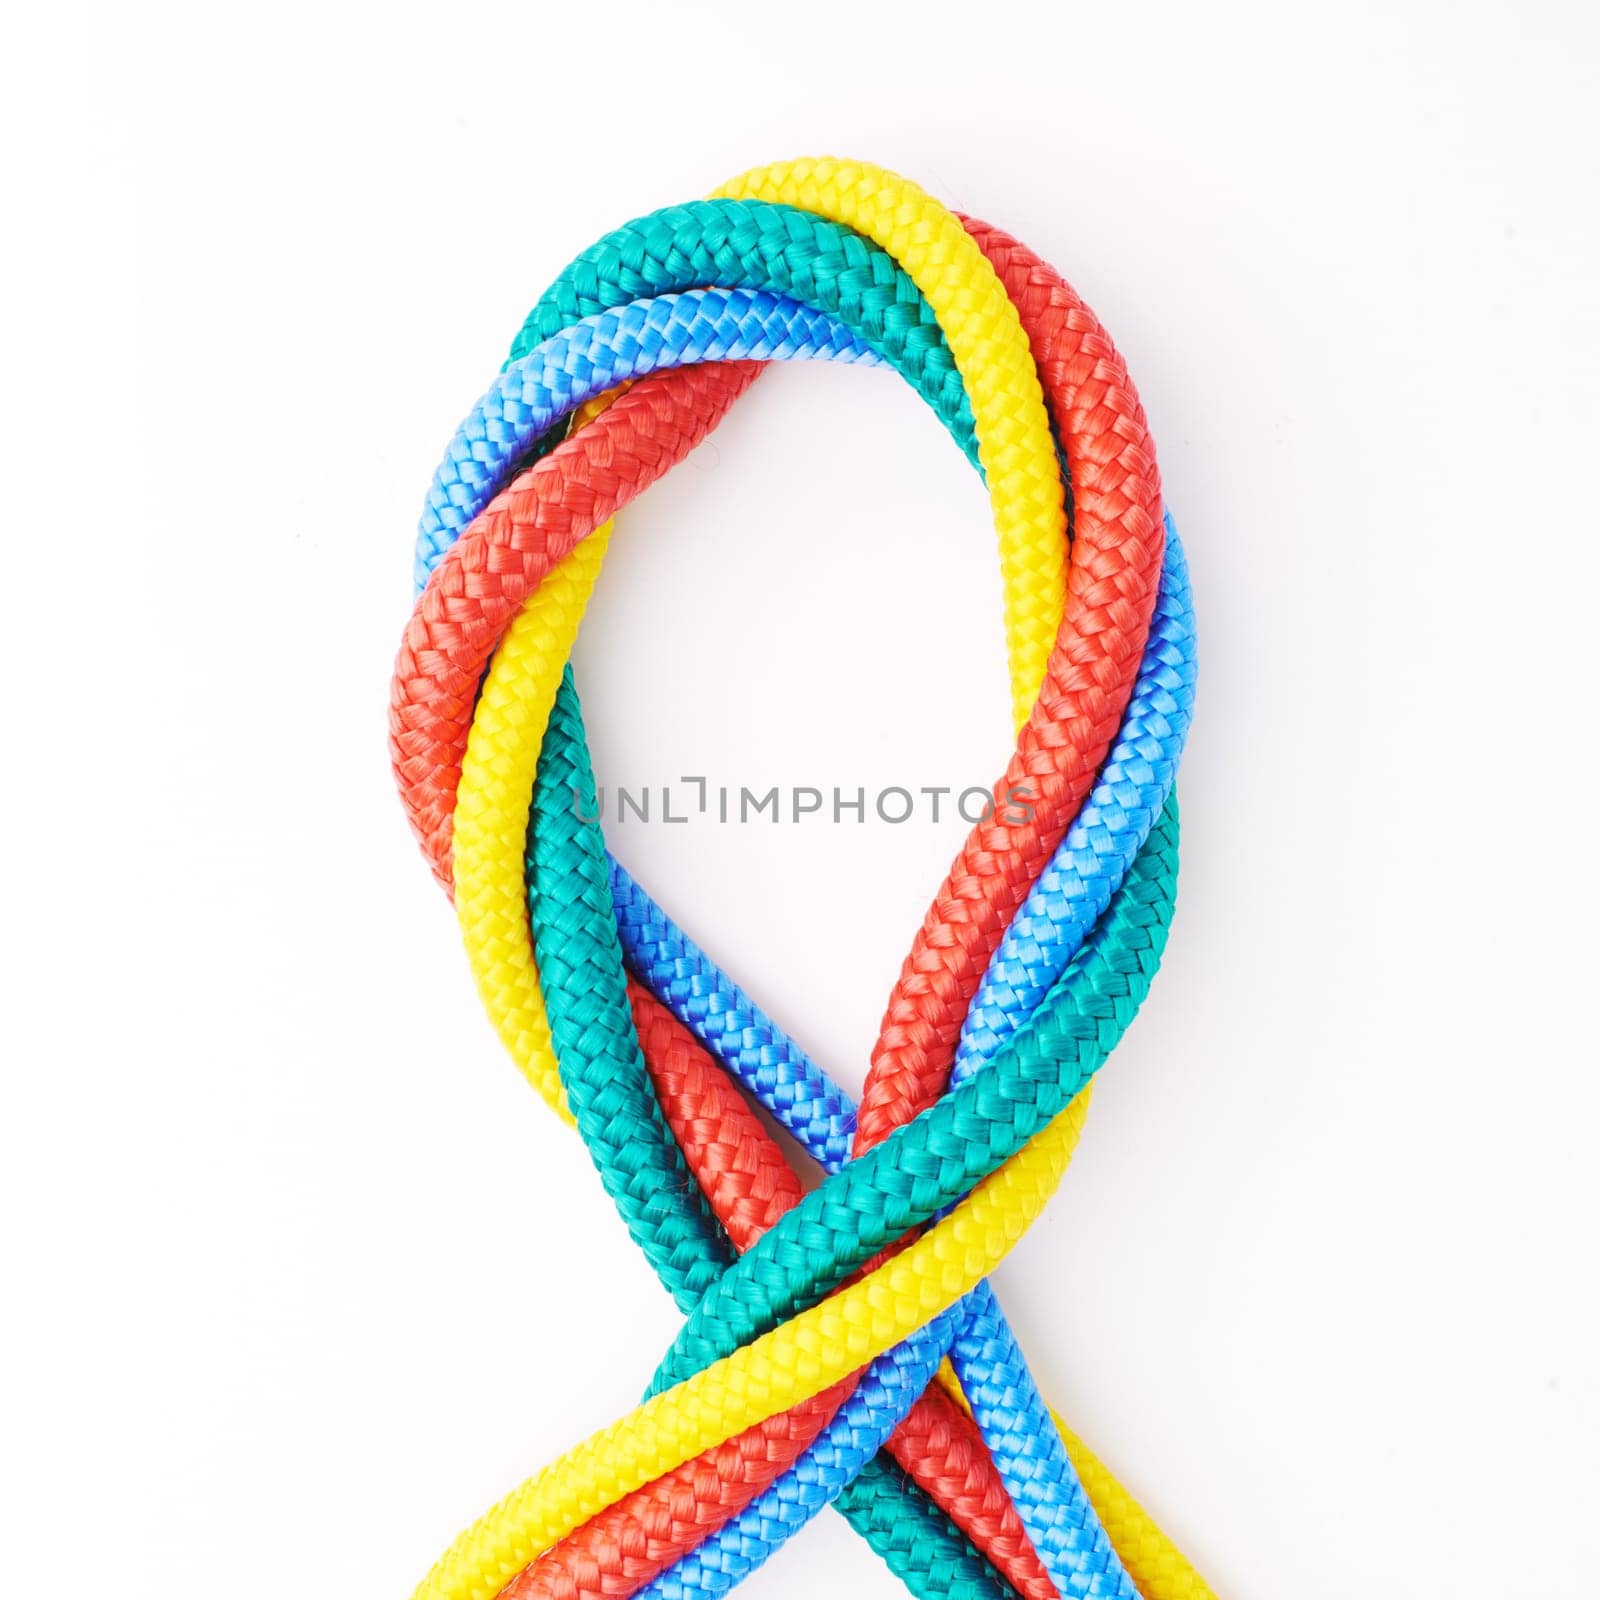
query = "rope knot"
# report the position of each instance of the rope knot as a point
(840, 1346)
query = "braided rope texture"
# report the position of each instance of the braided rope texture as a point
(841, 1347)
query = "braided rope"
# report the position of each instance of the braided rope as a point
(1028, 967)
(569, 781)
(490, 716)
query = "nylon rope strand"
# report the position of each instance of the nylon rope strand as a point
(559, 813)
(802, 1377)
(588, 1023)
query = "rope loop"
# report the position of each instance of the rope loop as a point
(840, 1346)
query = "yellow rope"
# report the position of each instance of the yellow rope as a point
(819, 1347)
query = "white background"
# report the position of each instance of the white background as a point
(300, 1275)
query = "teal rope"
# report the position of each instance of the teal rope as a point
(593, 969)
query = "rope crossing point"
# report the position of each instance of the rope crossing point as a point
(840, 1347)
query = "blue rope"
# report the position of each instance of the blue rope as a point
(531, 395)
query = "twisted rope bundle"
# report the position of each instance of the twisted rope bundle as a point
(840, 1347)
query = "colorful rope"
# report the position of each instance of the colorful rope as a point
(815, 1322)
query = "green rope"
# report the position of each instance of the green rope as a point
(934, 1160)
